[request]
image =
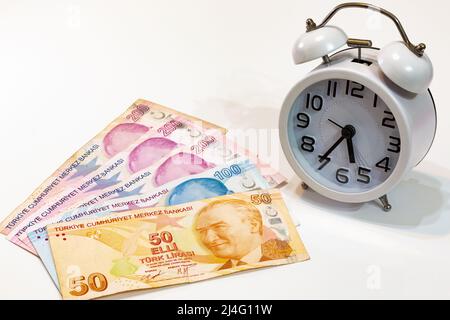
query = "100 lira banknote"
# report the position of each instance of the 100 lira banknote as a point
(151, 248)
(136, 121)
(235, 177)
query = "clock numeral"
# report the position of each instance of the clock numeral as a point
(356, 87)
(341, 177)
(395, 144)
(363, 174)
(375, 101)
(308, 143)
(331, 90)
(384, 164)
(303, 120)
(389, 121)
(316, 102)
(326, 161)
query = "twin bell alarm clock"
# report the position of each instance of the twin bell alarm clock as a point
(354, 126)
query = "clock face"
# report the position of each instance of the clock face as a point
(344, 136)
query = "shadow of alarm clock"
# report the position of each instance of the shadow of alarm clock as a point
(357, 123)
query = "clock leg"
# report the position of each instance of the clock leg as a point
(385, 203)
(304, 186)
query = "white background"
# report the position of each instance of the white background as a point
(67, 68)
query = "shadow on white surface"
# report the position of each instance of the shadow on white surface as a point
(234, 115)
(419, 205)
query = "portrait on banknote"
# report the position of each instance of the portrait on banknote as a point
(232, 229)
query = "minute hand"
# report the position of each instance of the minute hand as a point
(334, 146)
(351, 153)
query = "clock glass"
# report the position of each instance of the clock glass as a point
(343, 135)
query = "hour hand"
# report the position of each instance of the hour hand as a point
(336, 124)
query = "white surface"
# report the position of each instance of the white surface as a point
(69, 67)
(318, 43)
(404, 68)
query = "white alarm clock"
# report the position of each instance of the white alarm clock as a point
(356, 124)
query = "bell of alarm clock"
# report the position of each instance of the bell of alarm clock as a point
(354, 126)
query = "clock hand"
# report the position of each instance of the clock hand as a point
(347, 133)
(334, 146)
(351, 153)
(336, 124)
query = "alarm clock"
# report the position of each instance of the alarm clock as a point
(354, 126)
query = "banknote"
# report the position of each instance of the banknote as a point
(161, 246)
(273, 177)
(131, 169)
(209, 152)
(177, 163)
(244, 176)
(137, 120)
(217, 150)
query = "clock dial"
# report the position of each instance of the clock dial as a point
(344, 135)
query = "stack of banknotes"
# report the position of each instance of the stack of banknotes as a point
(157, 198)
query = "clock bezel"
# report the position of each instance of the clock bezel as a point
(372, 79)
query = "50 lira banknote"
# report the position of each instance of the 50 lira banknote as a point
(237, 176)
(151, 248)
(136, 121)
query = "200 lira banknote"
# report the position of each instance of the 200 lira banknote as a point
(151, 248)
(235, 177)
(137, 120)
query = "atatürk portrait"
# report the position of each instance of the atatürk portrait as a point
(232, 229)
